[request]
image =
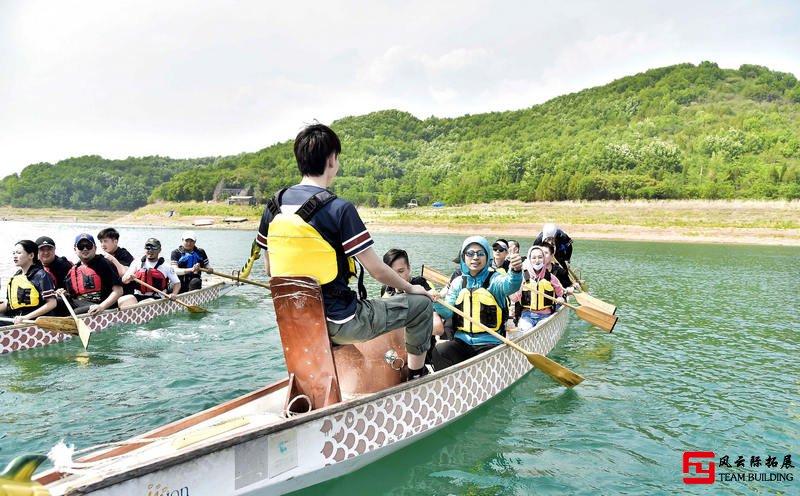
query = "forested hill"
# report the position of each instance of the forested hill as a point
(683, 131)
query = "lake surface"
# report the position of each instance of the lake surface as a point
(704, 358)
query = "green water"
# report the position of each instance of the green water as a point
(704, 358)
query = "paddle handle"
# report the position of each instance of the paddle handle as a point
(530, 285)
(165, 295)
(235, 278)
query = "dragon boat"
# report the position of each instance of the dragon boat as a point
(339, 409)
(21, 337)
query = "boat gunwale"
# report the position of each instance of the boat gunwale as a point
(60, 337)
(233, 438)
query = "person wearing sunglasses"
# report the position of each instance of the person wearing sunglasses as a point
(500, 261)
(481, 292)
(93, 283)
(152, 270)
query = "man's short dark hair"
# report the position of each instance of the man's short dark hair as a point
(312, 147)
(394, 255)
(108, 233)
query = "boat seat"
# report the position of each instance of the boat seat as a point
(313, 382)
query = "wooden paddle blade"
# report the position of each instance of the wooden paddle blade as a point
(558, 372)
(604, 321)
(84, 333)
(588, 300)
(196, 309)
(433, 275)
(64, 325)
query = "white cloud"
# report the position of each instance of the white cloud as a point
(190, 78)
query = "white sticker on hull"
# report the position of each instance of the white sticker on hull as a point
(282, 449)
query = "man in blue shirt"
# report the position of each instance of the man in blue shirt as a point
(351, 318)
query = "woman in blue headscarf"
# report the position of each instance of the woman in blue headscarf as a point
(481, 293)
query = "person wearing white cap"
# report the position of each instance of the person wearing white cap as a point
(499, 255)
(561, 242)
(187, 260)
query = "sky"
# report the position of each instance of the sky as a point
(184, 79)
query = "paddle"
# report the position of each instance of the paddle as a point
(255, 253)
(83, 330)
(574, 278)
(236, 278)
(191, 308)
(591, 315)
(431, 274)
(558, 372)
(64, 325)
(590, 301)
(584, 298)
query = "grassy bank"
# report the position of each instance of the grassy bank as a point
(737, 221)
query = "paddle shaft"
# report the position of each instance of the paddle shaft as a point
(165, 295)
(556, 371)
(599, 318)
(83, 331)
(580, 282)
(235, 278)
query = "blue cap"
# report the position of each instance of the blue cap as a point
(85, 236)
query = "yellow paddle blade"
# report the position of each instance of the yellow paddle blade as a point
(255, 254)
(586, 299)
(604, 321)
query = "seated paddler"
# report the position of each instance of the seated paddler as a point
(481, 293)
(307, 230)
(30, 292)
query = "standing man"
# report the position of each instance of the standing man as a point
(338, 236)
(187, 260)
(119, 257)
(93, 283)
(560, 241)
(152, 270)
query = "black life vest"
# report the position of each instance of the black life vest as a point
(151, 276)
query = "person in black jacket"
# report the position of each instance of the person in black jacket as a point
(561, 242)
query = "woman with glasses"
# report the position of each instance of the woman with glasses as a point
(152, 270)
(481, 293)
(30, 292)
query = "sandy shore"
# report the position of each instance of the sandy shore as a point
(693, 221)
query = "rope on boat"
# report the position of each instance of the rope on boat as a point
(288, 410)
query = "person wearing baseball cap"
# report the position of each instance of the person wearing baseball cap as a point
(152, 270)
(499, 254)
(187, 260)
(54, 265)
(93, 283)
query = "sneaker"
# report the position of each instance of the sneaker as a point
(416, 374)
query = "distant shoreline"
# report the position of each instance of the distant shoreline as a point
(688, 221)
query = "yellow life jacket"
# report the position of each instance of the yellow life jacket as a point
(296, 248)
(535, 301)
(480, 304)
(22, 293)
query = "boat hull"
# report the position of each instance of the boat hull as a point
(283, 455)
(24, 337)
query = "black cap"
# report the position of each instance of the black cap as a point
(45, 241)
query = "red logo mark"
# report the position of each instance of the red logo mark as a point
(706, 473)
